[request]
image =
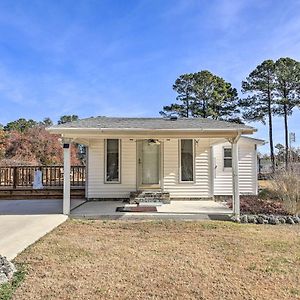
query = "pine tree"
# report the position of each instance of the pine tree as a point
(205, 95)
(184, 88)
(260, 103)
(215, 98)
(288, 93)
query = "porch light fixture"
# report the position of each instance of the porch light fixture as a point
(153, 142)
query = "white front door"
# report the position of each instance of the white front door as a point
(148, 164)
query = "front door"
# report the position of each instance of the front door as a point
(148, 164)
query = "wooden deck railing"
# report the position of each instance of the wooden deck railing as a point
(52, 176)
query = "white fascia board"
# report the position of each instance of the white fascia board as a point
(117, 130)
(254, 140)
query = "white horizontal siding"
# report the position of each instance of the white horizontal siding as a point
(201, 188)
(247, 169)
(96, 186)
(198, 189)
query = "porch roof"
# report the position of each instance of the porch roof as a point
(148, 124)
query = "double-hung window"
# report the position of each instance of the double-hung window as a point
(112, 161)
(227, 156)
(186, 160)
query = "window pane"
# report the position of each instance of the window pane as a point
(227, 158)
(112, 160)
(227, 152)
(227, 162)
(187, 160)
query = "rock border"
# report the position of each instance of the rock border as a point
(266, 219)
(7, 270)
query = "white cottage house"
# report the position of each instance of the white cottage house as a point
(187, 158)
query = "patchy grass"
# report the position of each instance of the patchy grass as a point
(163, 260)
(7, 290)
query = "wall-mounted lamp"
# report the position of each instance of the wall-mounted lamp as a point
(153, 142)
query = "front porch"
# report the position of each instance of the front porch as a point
(159, 172)
(176, 209)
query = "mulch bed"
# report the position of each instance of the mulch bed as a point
(254, 205)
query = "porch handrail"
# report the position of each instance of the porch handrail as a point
(23, 176)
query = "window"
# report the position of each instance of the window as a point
(112, 165)
(187, 160)
(227, 154)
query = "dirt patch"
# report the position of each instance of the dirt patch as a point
(163, 260)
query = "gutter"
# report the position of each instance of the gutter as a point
(65, 129)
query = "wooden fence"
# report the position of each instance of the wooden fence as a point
(52, 176)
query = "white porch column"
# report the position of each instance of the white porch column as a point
(235, 179)
(67, 171)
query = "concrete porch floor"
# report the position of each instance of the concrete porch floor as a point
(177, 209)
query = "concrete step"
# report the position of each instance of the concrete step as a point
(149, 196)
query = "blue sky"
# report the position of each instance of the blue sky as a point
(120, 58)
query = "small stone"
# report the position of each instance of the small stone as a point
(260, 220)
(263, 216)
(281, 220)
(7, 269)
(296, 220)
(235, 219)
(289, 220)
(274, 221)
(244, 219)
(3, 278)
(252, 219)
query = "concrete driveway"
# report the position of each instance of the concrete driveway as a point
(23, 222)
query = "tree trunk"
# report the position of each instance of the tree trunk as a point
(187, 107)
(271, 128)
(271, 137)
(203, 109)
(286, 131)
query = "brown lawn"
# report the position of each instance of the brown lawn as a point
(163, 260)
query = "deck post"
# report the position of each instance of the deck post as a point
(235, 180)
(67, 171)
(235, 176)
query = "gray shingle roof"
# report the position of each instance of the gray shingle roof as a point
(151, 123)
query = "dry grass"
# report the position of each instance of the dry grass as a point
(286, 186)
(163, 260)
(265, 184)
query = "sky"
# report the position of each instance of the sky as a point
(121, 57)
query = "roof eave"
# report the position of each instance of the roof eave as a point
(87, 130)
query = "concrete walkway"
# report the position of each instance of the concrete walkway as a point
(17, 232)
(179, 210)
(23, 222)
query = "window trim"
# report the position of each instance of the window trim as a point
(179, 161)
(105, 162)
(223, 156)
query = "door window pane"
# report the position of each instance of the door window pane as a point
(112, 160)
(187, 160)
(150, 163)
(227, 158)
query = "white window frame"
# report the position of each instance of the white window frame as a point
(179, 162)
(223, 156)
(105, 162)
